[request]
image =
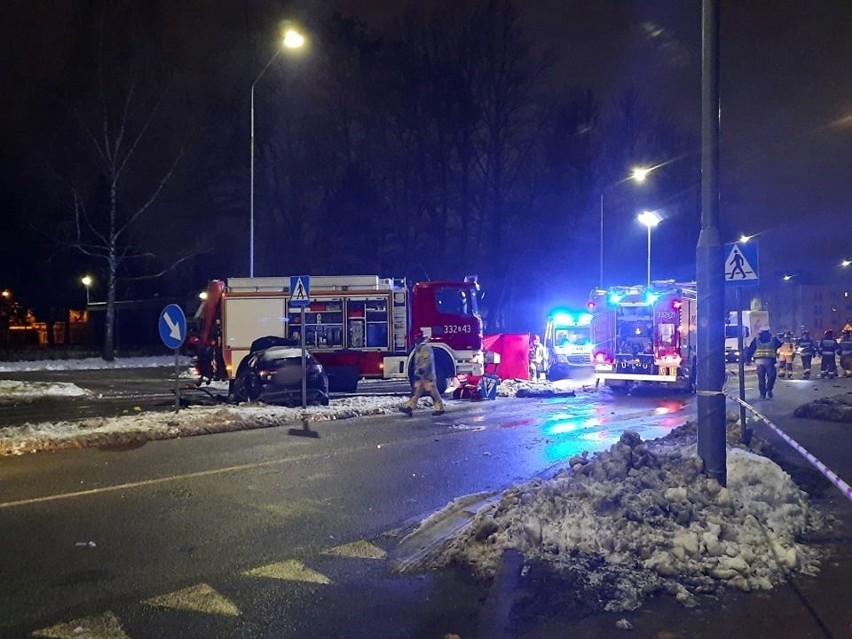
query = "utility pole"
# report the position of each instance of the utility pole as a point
(710, 266)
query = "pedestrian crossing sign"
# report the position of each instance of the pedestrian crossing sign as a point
(300, 291)
(741, 265)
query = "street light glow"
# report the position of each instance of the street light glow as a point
(649, 218)
(846, 263)
(293, 39)
(640, 173)
(86, 280)
(787, 278)
(745, 238)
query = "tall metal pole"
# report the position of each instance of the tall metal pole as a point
(600, 279)
(649, 256)
(251, 190)
(251, 171)
(710, 263)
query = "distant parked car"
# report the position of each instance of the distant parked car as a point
(272, 373)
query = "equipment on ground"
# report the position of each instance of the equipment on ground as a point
(645, 335)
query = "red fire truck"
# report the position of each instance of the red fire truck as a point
(356, 326)
(645, 335)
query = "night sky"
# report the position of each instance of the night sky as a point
(786, 151)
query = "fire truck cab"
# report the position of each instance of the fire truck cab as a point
(360, 326)
(645, 335)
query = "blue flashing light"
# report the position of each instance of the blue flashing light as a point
(561, 318)
(584, 319)
(650, 297)
(614, 298)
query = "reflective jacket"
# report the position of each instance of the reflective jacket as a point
(763, 347)
(424, 362)
(806, 346)
(844, 346)
(827, 346)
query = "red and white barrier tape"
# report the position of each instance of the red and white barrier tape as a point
(829, 474)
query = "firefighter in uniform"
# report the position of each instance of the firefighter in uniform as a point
(423, 362)
(827, 347)
(786, 354)
(764, 349)
(844, 347)
(806, 353)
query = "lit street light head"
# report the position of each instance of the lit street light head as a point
(293, 39)
(649, 218)
(640, 174)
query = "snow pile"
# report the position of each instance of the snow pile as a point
(832, 409)
(641, 519)
(527, 388)
(92, 363)
(118, 431)
(29, 391)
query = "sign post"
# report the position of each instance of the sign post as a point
(741, 269)
(172, 327)
(300, 297)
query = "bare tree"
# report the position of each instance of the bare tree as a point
(108, 217)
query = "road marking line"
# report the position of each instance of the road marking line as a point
(291, 570)
(154, 482)
(200, 598)
(105, 626)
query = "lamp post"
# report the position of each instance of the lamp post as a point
(292, 40)
(650, 219)
(638, 175)
(86, 281)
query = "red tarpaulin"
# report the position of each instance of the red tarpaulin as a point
(514, 351)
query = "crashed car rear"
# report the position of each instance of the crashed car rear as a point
(272, 373)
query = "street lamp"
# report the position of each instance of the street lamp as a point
(650, 220)
(87, 282)
(292, 40)
(638, 175)
(845, 263)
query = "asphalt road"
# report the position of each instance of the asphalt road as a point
(261, 534)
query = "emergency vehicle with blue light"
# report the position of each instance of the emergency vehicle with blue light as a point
(645, 335)
(567, 341)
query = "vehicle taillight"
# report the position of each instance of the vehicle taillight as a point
(671, 360)
(601, 358)
(266, 374)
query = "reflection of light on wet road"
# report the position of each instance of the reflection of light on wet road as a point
(593, 426)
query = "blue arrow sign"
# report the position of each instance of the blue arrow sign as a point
(172, 326)
(300, 291)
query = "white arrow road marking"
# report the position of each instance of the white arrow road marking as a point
(290, 570)
(174, 329)
(201, 598)
(105, 626)
(357, 549)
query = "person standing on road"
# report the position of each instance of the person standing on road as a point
(423, 362)
(537, 359)
(827, 347)
(806, 349)
(764, 349)
(786, 354)
(844, 347)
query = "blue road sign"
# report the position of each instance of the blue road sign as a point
(741, 264)
(172, 326)
(300, 291)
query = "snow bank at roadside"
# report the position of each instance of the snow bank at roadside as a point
(640, 519)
